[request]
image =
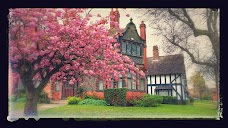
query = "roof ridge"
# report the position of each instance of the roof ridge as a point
(167, 55)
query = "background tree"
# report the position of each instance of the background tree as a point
(61, 44)
(194, 31)
(199, 85)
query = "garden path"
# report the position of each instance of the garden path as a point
(15, 114)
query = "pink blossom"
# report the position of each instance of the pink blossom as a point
(98, 15)
(79, 47)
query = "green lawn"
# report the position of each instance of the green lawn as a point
(200, 109)
(18, 105)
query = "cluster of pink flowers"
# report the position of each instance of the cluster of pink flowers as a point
(61, 42)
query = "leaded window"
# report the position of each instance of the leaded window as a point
(57, 86)
(123, 47)
(128, 48)
(134, 49)
(134, 84)
(120, 82)
(101, 86)
(138, 50)
(142, 84)
(129, 82)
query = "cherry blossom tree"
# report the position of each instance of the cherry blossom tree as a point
(59, 44)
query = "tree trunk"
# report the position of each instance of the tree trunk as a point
(30, 109)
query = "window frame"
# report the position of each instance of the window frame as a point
(134, 49)
(101, 86)
(138, 50)
(124, 50)
(142, 85)
(129, 48)
(57, 88)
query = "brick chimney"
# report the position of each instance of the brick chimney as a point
(155, 52)
(112, 14)
(143, 30)
(143, 36)
(117, 16)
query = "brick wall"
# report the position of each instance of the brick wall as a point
(99, 94)
(133, 94)
(47, 90)
(129, 95)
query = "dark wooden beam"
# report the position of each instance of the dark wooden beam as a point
(176, 85)
(165, 78)
(181, 86)
(151, 86)
(160, 79)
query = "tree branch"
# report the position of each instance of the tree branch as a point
(189, 22)
(48, 76)
(189, 53)
(39, 58)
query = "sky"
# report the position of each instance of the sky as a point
(151, 39)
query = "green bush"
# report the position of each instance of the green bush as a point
(169, 100)
(206, 98)
(43, 98)
(80, 92)
(191, 100)
(21, 93)
(150, 100)
(73, 100)
(13, 98)
(95, 97)
(133, 102)
(93, 102)
(116, 97)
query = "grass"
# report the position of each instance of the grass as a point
(18, 105)
(200, 109)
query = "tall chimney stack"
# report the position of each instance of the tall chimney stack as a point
(117, 16)
(155, 53)
(143, 36)
(112, 14)
(143, 30)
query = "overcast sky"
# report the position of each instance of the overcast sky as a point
(151, 40)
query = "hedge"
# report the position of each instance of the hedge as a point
(116, 97)
(150, 100)
(93, 102)
(169, 100)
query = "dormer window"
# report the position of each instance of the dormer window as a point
(129, 48)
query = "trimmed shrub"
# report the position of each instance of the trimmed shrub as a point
(133, 102)
(116, 97)
(150, 101)
(43, 98)
(169, 100)
(94, 96)
(93, 102)
(73, 100)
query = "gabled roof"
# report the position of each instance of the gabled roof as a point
(170, 64)
(130, 31)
